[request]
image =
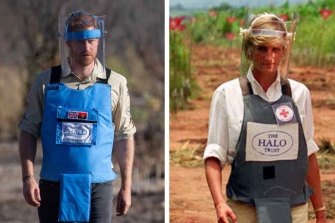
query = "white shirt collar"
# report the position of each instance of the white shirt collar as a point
(272, 94)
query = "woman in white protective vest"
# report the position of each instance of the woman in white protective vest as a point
(262, 124)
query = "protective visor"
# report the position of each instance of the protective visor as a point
(81, 26)
(288, 36)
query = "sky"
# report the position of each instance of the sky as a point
(235, 3)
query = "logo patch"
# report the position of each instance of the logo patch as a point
(284, 113)
(76, 133)
(77, 115)
(272, 143)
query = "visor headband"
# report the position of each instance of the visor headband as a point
(85, 34)
(265, 32)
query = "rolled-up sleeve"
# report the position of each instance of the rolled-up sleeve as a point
(217, 144)
(124, 125)
(308, 125)
(32, 117)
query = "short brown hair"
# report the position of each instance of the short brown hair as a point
(80, 21)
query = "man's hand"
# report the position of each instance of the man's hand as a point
(123, 202)
(31, 192)
(224, 212)
(125, 156)
(27, 148)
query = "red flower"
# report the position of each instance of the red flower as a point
(284, 17)
(231, 19)
(213, 13)
(176, 24)
(242, 22)
(325, 13)
(229, 36)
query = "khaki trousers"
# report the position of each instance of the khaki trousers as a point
(246, 213)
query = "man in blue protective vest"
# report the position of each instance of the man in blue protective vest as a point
(80, 109)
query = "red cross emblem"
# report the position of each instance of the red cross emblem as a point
(284, 113)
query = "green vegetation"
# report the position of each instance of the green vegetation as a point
(313, 44)
(182, 84)
(327, 147)
(186, 156)
(220, 26)
(326, 155)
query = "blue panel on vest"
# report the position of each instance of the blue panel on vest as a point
(77, 132)
(75, 198)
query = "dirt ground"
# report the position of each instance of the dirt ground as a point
(190, 199)
(147, 199)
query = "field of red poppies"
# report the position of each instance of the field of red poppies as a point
(205, 52)
(190, 199)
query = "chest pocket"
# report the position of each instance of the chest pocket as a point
(76, 127)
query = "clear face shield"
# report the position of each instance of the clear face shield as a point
(82, 40)
(286, 36)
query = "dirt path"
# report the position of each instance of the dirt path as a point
(190, 200)
(147, 200)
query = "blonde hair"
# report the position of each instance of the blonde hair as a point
(264, 21)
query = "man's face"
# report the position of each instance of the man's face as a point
(83, 52)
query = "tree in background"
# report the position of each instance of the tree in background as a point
(134, 47)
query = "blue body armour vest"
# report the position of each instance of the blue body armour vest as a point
(77, 132)
(269, 185)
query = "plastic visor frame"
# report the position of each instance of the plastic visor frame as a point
(85, 34)
(266, 32)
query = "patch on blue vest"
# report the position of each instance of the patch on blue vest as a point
(77, 115)
(76, 127)
(76, 133)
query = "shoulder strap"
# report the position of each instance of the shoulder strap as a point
(285, 87)
(105, 81)
(55, 74)
(245, 86)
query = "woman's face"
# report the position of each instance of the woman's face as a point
(266, 58)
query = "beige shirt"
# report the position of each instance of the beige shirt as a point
(124, 125)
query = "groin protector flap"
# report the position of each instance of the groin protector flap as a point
(75, 198)
(274, 210)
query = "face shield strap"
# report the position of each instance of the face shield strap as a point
(84, 34)
(265, 32)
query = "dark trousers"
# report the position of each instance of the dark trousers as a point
(101, 202)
